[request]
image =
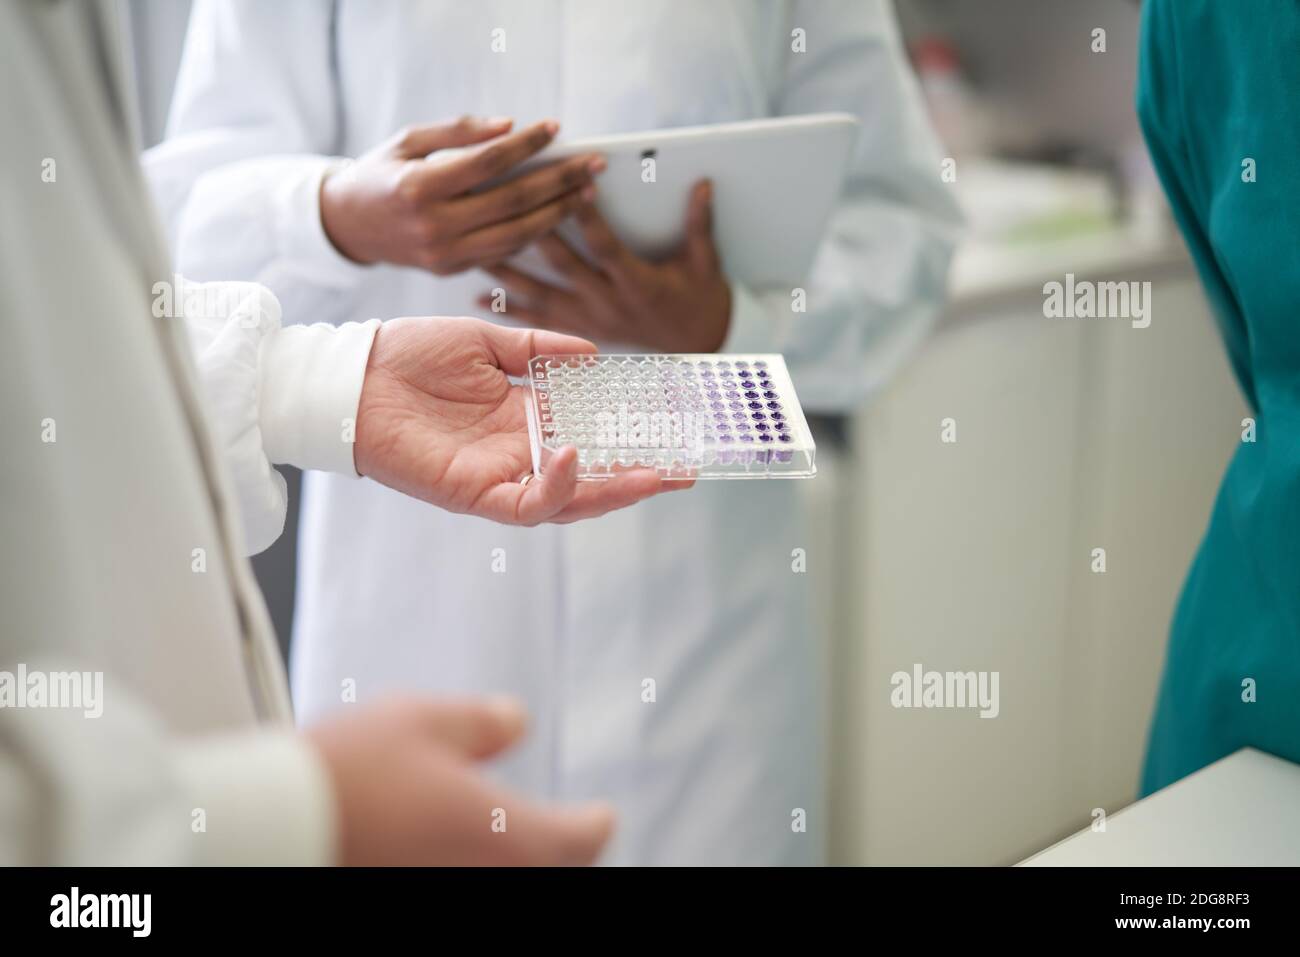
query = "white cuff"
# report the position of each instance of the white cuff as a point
(309, 393)
(752, 327)
(305, 248)
(265, 799)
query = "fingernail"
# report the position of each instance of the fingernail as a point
(601, 811)
(597, 165)
(551, 127)
(498, 121)
(508, 710)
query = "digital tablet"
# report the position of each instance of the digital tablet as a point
(775, 183)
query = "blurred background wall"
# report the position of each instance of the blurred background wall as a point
(1071, 436)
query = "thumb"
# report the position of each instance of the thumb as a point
(476, 727)
(415, 142)
(560, 836)
(512, 347)
(700, 251)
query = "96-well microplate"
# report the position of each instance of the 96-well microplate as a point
(685, 416)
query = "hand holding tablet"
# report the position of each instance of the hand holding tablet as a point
(646, 259)
(677, 216)
(599, 288)
(421, 197)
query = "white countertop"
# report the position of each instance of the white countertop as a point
(985, 269)
(1241, 811)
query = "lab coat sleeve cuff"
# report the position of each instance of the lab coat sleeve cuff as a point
(265, 798)
(306, 249)
(752, 327)
(310, 390)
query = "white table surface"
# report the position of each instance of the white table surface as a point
(1241, 811)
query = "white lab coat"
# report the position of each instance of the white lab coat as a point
(120, 534)
(694, 592)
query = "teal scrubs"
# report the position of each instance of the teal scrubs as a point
(1219, 100)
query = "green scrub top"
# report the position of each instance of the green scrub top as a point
(1219, 101)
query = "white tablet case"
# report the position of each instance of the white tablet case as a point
(775, 183)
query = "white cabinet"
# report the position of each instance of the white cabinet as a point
(977, 556)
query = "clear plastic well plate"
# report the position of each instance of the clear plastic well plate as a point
(686, 416)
